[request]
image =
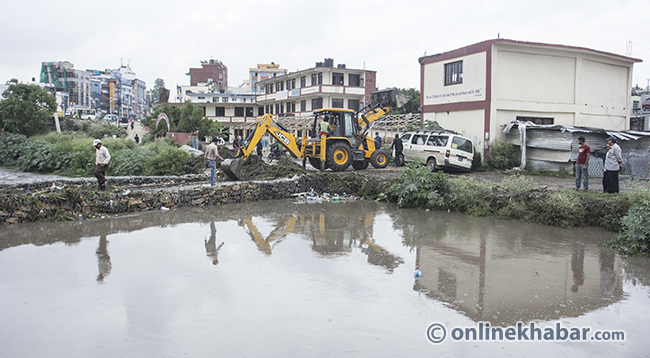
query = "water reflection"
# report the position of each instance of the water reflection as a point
(211, 248)
(103, 259)
(504, 271)
(487, 269)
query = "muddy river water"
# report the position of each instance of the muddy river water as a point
(284, 279)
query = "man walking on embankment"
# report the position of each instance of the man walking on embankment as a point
(102, 157)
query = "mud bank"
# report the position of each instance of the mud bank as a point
(79, 199)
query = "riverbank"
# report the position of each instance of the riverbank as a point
(545, 200)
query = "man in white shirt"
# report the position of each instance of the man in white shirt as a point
(613, 163)
(102, 157)
(210, 157)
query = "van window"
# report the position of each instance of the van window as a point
(419, 139)
(437, 141)
(405, 137)
(461, 144)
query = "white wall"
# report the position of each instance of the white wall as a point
(534, 78)
(472, 88)
(468, 123)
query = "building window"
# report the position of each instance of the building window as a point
(215, 99)
(316, 103)
(353, 104)
(337, 102)
(260, 111)
(354, 80)
(453, 73)
(220, 111)
(224, 99)
(249, 112)
(536, 120)
(314, 79)
(293, 83)
(303, 105)
(254, 74)
(288, 84)
(239, 111)
(637, 123)
(274, 74)
(337, 79)
(277, 108)
(303, 81)
(320, 78)
(265, 74)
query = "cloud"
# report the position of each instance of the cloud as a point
(166, 38)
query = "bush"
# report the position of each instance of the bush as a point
(634, 237)
(104, 129)
(560, 208)
(43, 157)
(419, 187)
(12, 147)
(468, 196)
(503, 156)
(130, 162)
(170, 161)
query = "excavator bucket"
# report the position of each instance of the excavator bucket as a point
(232, 168)
(390, 97)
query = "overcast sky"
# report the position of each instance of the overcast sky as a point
(165, 38)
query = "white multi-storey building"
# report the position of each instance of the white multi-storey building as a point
(323, 86)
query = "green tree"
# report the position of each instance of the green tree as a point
(191, 116)
(158, 85)
(413, 104)
(26, 108)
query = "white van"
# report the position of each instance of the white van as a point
(439, 149)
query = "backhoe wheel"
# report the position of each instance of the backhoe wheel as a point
(360, 165)
(339, 156)
(431, 164)
(379, 159)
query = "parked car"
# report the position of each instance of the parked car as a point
(110, 117)
(439, 150)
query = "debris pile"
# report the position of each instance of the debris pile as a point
(254, 168)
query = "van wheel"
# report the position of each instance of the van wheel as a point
(431, 164)
(339, 156)
(360, 165)
(379, 159)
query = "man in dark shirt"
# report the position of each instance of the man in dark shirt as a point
(378, 140)
(398, 146)
(582, 164)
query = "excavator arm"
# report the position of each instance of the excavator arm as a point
(382, 102)
(232, 167)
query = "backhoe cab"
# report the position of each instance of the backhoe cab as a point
(346, 143)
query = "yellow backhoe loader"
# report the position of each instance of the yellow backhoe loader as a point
(346, 143)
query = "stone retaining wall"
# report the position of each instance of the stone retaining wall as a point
(67, 202)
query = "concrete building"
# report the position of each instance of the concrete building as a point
(212, 71)
(263, 72)
(323, 86)
(480, 88)
(64, 77)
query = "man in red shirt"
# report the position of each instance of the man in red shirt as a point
(582, 165)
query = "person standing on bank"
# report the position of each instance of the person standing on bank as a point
(378, 140)
(211, 155)
(582, 164)
(613, 164)
(102, 157)
(398, 146)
